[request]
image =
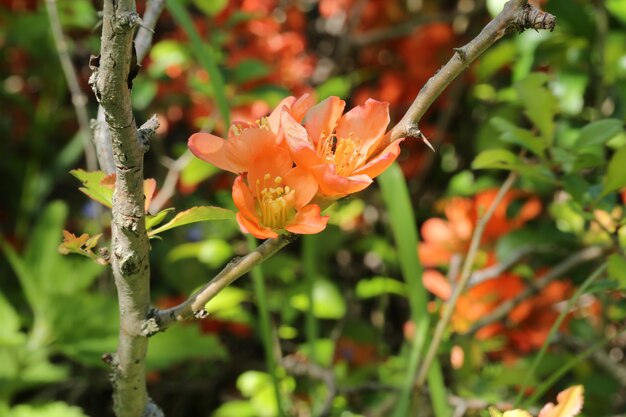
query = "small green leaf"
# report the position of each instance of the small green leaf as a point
(599, 132)
(155, 220)
(494, 412)
(211, 7)
(377, 286)
(94, 186)
(616, 173)
(229, 297)
(249, 70)
(617, 269)
(54, 409)
(328, 303)
(495, 159)
(540, 104)
(196, 171)
(518, 136)
(193, 215)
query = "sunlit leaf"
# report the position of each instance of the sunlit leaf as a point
(328, 303)
(518, 136)
(155, 220)
(377, 286)
(95, 185)
(495, 159)
(617, 269)
(616, 173)
(81, 245)
(53, 409)
(539, 103)
(599, 132)
(193, 215)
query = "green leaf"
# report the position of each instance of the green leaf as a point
(599, 132)
(211, 7)
(155, 220)
(540, 104)
(518, 136)
(617, 269)
(55, 409)
(181, 343)
(616, 173)
(94, 187)
(249, 70)
(377, 286)
(495, 159)
(328, 303)
(10, 329)
(617, 8)
(237, 408)
(193, 215)
(335, 86)
(229, 297)
(196, 171)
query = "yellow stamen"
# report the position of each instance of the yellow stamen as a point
(344, 153)
(274, 204)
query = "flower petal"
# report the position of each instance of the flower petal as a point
(242, 197)
(304, 184)
(274, 118)
(243, 149)
(322, 118)
(366, 122)
(274, 160)
(210, 148)
(334, 185)
(381, 162)
(254, 229)
(437, 284)
(302, 150)
(308, 221)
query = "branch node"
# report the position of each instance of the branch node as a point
(462, 54)
(151, 325)
(529, 17)
(414, 132)
(201, 314)
(147, 132)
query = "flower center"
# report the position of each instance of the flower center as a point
(274, 202)
(344, 153)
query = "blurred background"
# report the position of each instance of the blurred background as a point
(548, 106)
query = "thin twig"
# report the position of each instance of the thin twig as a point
(79, 98)
(194, 305)
(496, 270)
(169, 185)
(516, 15)
(450, 305)
(585, 255)
(143, 40)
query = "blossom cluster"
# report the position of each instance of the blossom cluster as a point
(295, 162)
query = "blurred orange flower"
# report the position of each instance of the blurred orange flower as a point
(444, 238)
(344, 152)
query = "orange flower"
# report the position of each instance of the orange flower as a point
(442, 238)
(276, 197)
(245, 140)
(343, 152)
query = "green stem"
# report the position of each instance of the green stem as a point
(309, 258)
(265, 326)
(402, 220)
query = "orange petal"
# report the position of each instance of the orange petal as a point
(242, 197)
(274, 118)
(308, 221)
(433, 254)
(301, 106)
(210, 148)
(149, 187)
(304, 184)
(380, 162)
(570, 403)
(333, 185)
(254, 229)
(301, 148)
(274, 161)
(367, 123)
(243, 149)
(437, 284)
(437, 230)
(322, 118)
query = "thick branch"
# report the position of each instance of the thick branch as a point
(516, 15)
(143, 42)
(194, 305)
(111, 82)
